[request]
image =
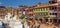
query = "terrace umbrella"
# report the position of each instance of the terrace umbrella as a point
(24, 17)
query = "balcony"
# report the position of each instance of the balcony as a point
(52, 1)
(2, 14)
(40, 15)
(53, 11)
(39, 11)
(52, 15)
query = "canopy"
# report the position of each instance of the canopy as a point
(24, 17)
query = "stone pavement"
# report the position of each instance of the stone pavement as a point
(47, 26)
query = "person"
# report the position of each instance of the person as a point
(39, 22)
(30, 23)
(43, 21)
(4, 26)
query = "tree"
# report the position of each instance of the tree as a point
(22, 6)
(39, 3)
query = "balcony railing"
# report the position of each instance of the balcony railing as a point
(39, 11)
(52, 15)
(52, 11)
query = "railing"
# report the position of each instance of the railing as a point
(52, 15)
(52, 11)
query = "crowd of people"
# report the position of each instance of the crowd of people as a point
(37, 23)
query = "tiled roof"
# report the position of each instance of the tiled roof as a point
(45, 5)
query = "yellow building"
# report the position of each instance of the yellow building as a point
(41, 11)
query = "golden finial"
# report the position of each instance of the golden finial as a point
(9, 9)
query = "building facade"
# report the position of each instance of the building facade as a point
(3, 12)
(48, 11)
(41, 11)
(53, 9)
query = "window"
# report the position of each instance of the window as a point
(45, 13)
(52, 7)
(52, 2)
(45, 9)
(53, 13)
(41, 14)
(41, 9)
(55, 7)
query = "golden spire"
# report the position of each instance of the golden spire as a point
(9, 9)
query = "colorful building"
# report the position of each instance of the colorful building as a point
(58, 15)
(53, 9)
(48, 10)
(41, 11)
(3, 12)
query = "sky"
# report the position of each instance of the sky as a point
(16, 3)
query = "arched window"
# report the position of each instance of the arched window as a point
(40, 9)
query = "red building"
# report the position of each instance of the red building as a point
(3, 12)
